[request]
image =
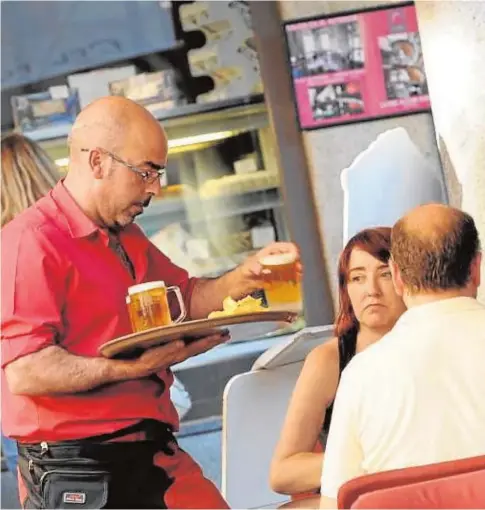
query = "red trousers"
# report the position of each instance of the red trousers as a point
(190, 489)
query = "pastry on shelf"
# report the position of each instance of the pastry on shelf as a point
(239, 183)
(176, 191)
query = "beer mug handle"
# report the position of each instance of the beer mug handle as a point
(183, 311)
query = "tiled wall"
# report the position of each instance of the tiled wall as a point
(332, 149)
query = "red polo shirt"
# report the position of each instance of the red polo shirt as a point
(63, 285)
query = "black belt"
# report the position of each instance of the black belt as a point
(154, 431)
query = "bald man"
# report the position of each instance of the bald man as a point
(417, 396)
(97, 432)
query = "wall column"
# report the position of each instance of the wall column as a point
(453, 39)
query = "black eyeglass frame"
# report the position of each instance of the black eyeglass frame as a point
(148, 176)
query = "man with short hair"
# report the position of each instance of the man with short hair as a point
(96, 432)
(417, 396)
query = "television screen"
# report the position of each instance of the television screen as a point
(357, 66)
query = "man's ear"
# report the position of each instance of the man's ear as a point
(475, 276)
(95, 163)
(396, 278)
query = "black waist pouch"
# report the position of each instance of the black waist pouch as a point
(91, 474)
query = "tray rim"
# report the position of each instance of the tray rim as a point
(123, 343)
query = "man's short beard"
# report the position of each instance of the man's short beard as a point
(117, 227)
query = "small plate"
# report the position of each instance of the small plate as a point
(134, 343)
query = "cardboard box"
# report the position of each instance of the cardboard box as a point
(154, 91)
(57, 106)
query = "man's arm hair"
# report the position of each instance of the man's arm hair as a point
(54, 370)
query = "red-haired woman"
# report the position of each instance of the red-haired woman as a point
(368, 308)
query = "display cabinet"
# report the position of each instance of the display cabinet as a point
(222, 196)
(222, 200)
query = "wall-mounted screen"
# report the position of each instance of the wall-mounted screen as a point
(357, 66)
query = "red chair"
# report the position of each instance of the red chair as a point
(466, 490)
(353, 489)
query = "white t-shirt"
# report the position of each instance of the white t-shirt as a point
(415, 397)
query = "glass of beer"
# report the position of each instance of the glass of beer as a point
(282, 281)
(148, 305)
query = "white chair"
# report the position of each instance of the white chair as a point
(254, 407)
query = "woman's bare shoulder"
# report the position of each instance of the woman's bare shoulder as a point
(321, 370)
(324, 356)
(325, 353)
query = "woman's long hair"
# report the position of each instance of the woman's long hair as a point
(27, 175)
(374, 241)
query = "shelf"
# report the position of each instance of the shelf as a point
(212, 107)
(179, 117)
(261, 203)
(241, 203)
(49, 133)
(164, 206)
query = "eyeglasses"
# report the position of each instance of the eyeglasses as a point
(148, 176)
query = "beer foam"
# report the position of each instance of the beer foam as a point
(278, 259)
(143, 287)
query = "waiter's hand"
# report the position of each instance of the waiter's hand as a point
(251, 268)
(204, 344)
(160, 358)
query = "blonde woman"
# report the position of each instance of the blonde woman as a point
(27, 174)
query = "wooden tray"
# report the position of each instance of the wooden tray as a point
(134, 343)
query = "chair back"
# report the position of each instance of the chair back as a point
(253, 410)
(254, 407)
(466, 490)
(353, 489)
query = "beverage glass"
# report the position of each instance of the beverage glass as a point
(282, 281)
(148, 305)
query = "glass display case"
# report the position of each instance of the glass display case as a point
(222, 200)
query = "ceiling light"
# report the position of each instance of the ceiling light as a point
(204, 138)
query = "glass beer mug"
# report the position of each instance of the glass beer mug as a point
(148, 305)
(282, 285)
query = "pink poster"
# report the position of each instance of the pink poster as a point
(358, 66)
